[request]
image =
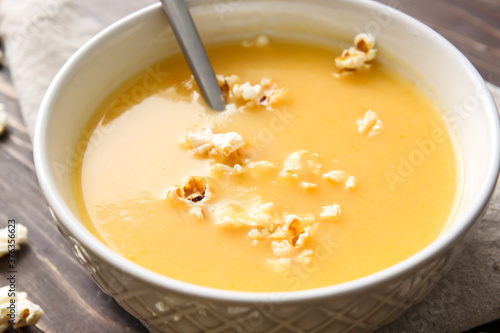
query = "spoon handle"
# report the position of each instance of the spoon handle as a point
(194, 51)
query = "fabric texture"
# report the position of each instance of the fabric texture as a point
(39, 36)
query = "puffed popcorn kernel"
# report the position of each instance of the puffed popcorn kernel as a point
(265, 93)
(295, 230)
(309, 186)
(335, 176)
(207, 142)
(194, 193)
(351, 182)
(266, 217)
(227, 143)
(331, 213)
(233, 216)
(246, 91)
(20, 235)
(195, 189)
(280, 265)
(259, 234)
(197, 211)
(27, 312)
(300, 163)
(267, 207)
(271, 94)
(366, 43)
(305, 257)
(343, 72)
(258, 168)
(370, 124)
(227, 83)
(351, 58)
(281, 248)
(356, 56)
(3, 119)
(300, 240)
(218, 170)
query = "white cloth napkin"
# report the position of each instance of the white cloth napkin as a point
(40, 35)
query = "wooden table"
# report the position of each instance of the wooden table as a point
(46, 267)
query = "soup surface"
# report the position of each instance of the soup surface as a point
(307, 180)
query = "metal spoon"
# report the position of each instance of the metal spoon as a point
(194, 51)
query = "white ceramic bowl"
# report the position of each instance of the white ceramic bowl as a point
(362, 305)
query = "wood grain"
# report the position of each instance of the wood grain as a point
(46, 267)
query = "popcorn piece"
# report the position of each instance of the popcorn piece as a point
(309, 186)
(218, 170)
(197, 212)
(268, 207)
(233, 216)
(259, 168)
(246, 91)
(331, 213)
(351, 182)
(237, 169)
(206, 142)
(357, 56)
(293, 164)
(300, 240)
(351, 58)
(265, 93)
(335, 176)
(366, 43)
(258, 234)
(295, 230)
(227, 83)
(271, 94)
(370, 124)
(20, 236)
(343, 73)
(305, 257)
(194, 193)
(281, 248)
(300, 163)
(280, 264)
(253, 169)
(201, 142)
(267, 217)
(227, 143)
(261, 41)
(27, 312)
(3, 119)
(194, 190)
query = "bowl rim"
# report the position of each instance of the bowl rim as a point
(91, 244)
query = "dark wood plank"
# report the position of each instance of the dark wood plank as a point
(47, 269)
(473, 26)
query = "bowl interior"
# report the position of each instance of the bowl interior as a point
(145, 37)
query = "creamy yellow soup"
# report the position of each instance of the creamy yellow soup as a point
(309, 198)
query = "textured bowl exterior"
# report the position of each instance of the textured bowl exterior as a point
(167, 305)
(163, 311)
